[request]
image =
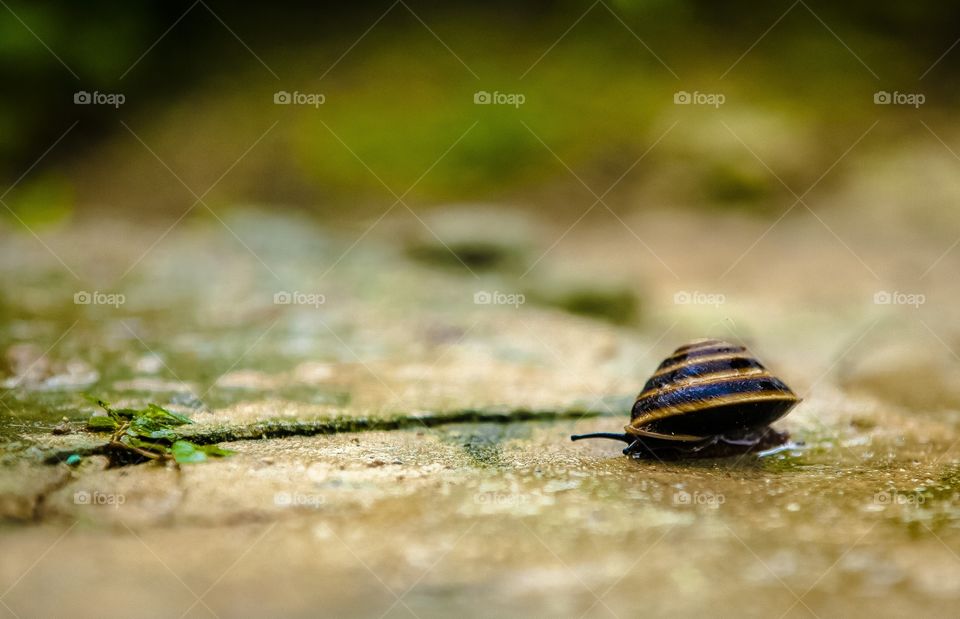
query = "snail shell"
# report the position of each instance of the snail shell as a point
(707, 391)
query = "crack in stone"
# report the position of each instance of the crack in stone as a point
(281, 429)
(205, 435)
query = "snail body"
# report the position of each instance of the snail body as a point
(709, 397)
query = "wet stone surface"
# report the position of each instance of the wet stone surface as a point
(402, 446)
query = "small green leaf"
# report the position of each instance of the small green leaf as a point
(163, 416)
(148, 428)
(217, 452)
(186, 452)
(156, 422)
(124, 413)
(102, 423)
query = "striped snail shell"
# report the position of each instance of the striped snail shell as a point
(707, 393)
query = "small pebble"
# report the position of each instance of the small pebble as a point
(73, 460)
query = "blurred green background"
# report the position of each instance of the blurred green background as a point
(399, 79)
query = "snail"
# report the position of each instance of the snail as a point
(709, 398)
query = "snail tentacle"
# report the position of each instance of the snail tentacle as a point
(626, 438)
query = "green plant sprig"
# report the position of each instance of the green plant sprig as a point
(151, 433)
